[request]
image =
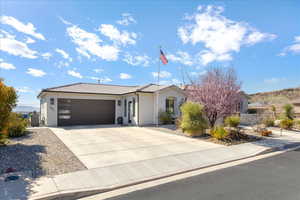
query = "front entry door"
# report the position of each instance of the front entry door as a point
(129, 112)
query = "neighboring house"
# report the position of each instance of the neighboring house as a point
(88, 104)
(242, 106)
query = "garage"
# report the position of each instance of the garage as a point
(85, 112)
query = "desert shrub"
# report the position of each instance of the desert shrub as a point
(232, 121)
(219, 132)
(193, 119)
(288, 111)
(8, 98)
(297, 123)
(286, 123)
(165, 117)
(178, 122)
(268, 122)
(16, 125)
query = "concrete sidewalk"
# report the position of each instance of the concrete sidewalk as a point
(92, 181)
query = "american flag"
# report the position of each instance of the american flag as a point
(163, 58)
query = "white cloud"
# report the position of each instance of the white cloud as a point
(14, 47)
(294, 48)
(125, 76)
(6, 66)
(62, 64)
(181, 57)
(162, 74)
(24, 89)
(82, 52)
(64, 54)
(198, 73)
(256, 37)
(126, 20)
(21, 27)
(105, 80)
(93, 77)
(206, 57)
(89, 43)
(220, 36)
(29, 40)
(173, 81)
(142, 60)
(75, 74)
(35, 72)
(117, 36)
(46, 55)
(98, 70)
(274, 80)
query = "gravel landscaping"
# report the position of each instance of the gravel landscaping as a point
(41, 153)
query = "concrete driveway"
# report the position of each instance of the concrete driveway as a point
(102, 146)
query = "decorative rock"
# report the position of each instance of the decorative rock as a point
(277, 122)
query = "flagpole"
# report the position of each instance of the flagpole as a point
(157, 96)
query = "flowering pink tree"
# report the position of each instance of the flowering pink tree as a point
(218, 91)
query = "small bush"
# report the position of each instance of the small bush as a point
(268, 122)
(232, 121)
(288, 111)
(219, 132)
(286, 123)
(297, 123)
(165, 117)
(193, 121)
(17, 125)
(178, 122)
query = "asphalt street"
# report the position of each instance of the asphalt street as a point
(272, 178)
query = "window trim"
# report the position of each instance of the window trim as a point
(133, 107)
(125, 107)
(167, 108)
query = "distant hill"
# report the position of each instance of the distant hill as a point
(26, 109)
(277, 97)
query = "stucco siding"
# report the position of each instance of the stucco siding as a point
(146, 106)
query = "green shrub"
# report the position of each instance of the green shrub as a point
(219, 132)
(165, 117)
(288, 111)
(16, 125)
(286, 123)
(297, 123)
(193, 121)
(268, 122)
(232, 121)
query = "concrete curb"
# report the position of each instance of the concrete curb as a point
(75, 194)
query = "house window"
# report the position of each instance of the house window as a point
(119, 102)
(170, 105)
(51, 101)
(133, 107)
(125, 107)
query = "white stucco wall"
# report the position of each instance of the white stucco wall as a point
(43, 109)
(50, 111)
(146, 106)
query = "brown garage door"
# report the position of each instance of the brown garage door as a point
(85, 112)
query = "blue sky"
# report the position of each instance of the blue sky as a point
(50, 43)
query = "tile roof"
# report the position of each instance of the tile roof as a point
(94, 88)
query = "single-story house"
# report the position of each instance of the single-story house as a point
(88, 104)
